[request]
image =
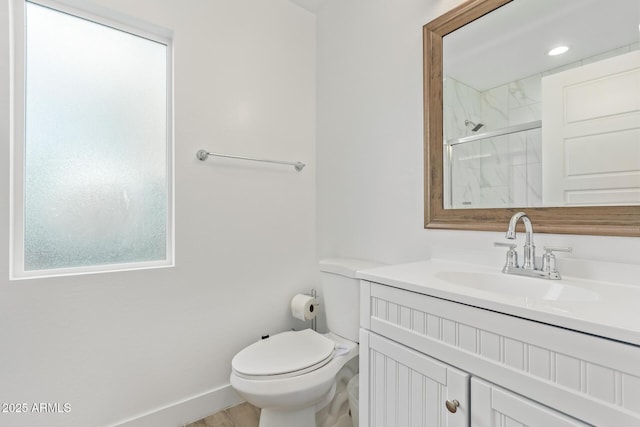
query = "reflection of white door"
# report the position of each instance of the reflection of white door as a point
(591, 134)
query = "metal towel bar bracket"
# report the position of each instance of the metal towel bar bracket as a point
(203, 155)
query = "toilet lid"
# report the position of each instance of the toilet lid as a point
(284, 353)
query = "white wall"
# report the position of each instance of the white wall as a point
(370, 167)
(118, 345)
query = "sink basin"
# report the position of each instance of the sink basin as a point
(525, 287)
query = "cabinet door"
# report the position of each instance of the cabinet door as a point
(492, 406)
(400, 387)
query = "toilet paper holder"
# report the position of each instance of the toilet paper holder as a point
(304, 307)
(316, 304)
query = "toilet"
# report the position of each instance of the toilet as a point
(292, 375)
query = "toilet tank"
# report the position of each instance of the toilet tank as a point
(341, 293)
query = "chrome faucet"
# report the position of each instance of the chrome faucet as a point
(528, 268)
(529, 256)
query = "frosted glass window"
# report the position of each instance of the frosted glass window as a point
(97, 176)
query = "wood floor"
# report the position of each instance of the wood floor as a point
(243, 415)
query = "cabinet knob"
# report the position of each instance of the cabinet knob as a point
(452, 406)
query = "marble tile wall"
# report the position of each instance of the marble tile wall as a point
(497, 172)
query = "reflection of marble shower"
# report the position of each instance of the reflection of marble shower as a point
(475, 126)
(501, 171)
(504, 172)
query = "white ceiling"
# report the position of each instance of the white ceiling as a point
(310, 5)
(512, 42)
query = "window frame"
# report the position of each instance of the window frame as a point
(107, 18)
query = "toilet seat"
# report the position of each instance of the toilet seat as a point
(284, 355)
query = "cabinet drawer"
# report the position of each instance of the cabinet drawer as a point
(596, 379)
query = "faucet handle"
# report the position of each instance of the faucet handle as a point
(512, 255)
(549, 259)
(549, 249)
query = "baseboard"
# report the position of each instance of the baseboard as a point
(186, 411)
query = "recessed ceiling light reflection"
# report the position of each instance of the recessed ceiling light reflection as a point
(558, 50)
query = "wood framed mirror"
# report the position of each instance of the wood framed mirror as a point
(618, 220)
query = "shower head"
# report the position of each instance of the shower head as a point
(476, 127)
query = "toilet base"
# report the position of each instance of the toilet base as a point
(274, 418)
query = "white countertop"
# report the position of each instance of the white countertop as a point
(610, 310)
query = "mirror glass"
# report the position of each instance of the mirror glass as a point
(524, 128)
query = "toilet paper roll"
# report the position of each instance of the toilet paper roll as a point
(302, 307)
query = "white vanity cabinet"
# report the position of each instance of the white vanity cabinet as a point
(407, 388)
(493, 406)
(417, 352)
